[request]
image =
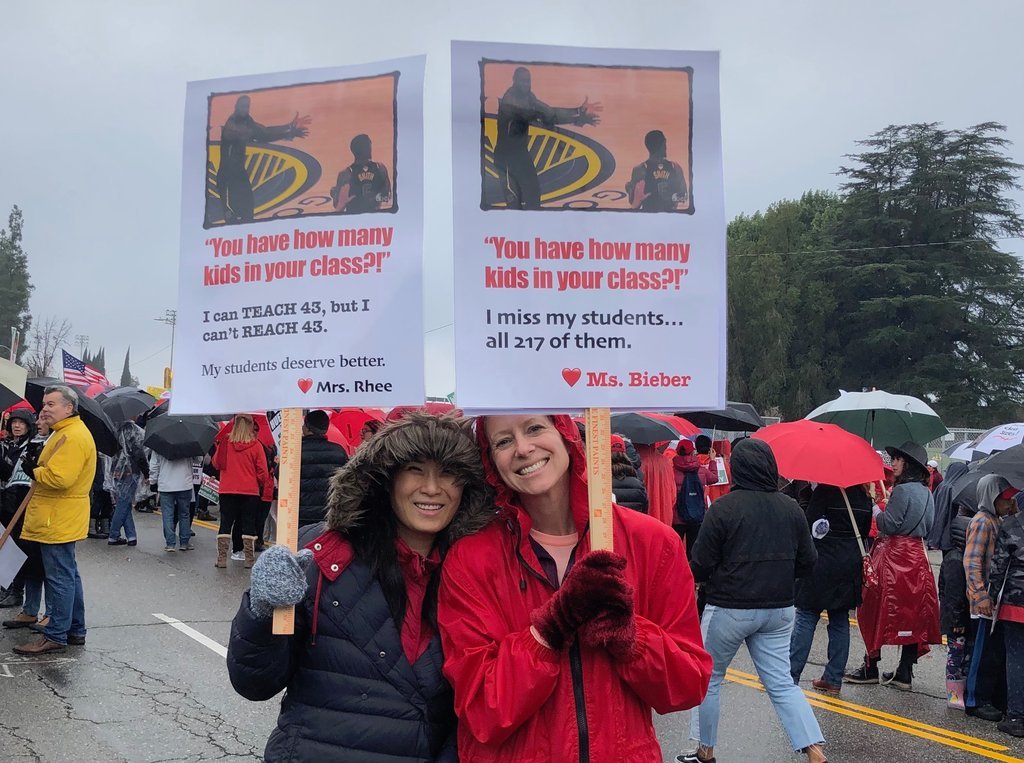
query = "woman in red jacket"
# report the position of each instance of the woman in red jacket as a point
(244, 478)
(555, 652)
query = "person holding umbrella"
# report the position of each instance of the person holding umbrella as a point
(837, 518)
(557, 652)
(903, 609)
(128, 466)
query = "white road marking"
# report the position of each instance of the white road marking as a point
(192, 633)
(7, 672)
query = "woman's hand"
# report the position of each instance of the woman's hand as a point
(278, 580)
(594, 592)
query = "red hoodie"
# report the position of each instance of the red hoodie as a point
(521, 702)
(243, 468)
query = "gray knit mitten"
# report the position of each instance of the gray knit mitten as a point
(278, 580)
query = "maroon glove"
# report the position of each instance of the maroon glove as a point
(594, 588)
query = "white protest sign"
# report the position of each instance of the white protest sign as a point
(589, 228)
(300, 282)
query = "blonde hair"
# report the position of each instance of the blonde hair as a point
(243, 429)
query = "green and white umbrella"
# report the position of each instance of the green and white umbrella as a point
(881, 418)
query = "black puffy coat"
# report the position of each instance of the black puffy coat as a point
(837, 578)
(630, 492)
(352, 694)
(1008, 562)
(320, 460)
(954, 611)
(754, 541)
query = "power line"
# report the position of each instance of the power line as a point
(875, 248)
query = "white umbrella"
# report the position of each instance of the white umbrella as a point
(962, 451)
(882, 418)
(998, 438)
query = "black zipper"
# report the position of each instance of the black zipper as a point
(575, 664)
(576, 670)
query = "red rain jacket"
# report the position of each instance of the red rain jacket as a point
(521, 702)
(243, 468)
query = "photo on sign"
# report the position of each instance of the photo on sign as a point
(584, 138)
(324, 148)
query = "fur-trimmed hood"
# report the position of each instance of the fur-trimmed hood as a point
(363, 485)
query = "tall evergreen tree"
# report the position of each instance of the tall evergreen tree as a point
(15, 285)
(99, 361)
(127, 380)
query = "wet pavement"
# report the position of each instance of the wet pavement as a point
(151, 686)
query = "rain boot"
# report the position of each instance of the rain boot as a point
(223, 546)
(249, 548)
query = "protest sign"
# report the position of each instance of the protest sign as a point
(589, 228)
(300, 282)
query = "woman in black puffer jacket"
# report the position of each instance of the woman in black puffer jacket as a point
(627, 487)
(363, 668)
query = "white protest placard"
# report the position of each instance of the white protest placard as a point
(11, 560)
(300, 281)
(589, 228)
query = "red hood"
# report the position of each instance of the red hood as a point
(243, 445)
(507, 501)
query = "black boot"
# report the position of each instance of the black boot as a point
(93, 532)
(903, 678)
(103, 527)
(865, 674)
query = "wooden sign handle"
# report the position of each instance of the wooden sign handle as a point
(287, 535)
(599, 476)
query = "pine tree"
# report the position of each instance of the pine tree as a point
(15, 285)
(127, 380)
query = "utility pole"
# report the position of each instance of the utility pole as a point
(170, 317)
(83, 341)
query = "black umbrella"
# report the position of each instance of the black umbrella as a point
(643, 429)
(12, 383)
(965, 489)
(96, 421)
(735, 417)
(176, 437)
(126, 404)
(1007, 463)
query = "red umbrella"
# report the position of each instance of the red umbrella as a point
(263, 434)
(349, 421)
(681, 425)
(334, 435)
(825, 453)
(20, 404)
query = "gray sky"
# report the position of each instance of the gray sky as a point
(93, 96)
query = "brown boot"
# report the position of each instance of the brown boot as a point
(223, 546)
(249, 547)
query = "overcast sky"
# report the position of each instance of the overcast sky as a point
(93, 96)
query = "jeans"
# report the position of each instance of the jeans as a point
(767, 635)
(124, 497)
(838, 644)
(1013, 638)
(174, 509)
(65, 600)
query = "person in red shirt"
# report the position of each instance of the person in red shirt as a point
(557, 652)
(363, 669)
(244, 481)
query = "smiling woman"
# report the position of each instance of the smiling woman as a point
(366, 590)
(536, 626)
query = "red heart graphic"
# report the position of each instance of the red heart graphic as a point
(571, 376)
(305, 384)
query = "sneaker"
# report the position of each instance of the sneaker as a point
(862, 675)
(12, 599)
(133, 541)
(985, 712)
(692, 757)
(76, 639)
(902, 681)
(238, 556)
(1012, 726)
(820, 684)
(170, 549)
(186, 547)
(118, 542)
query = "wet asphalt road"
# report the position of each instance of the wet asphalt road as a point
(143, 691)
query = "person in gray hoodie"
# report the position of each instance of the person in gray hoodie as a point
(985, 694)
(172, 478)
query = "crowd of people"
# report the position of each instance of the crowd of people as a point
(449, 605)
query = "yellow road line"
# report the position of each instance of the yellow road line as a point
(982, 747)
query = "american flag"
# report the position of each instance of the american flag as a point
(76, 372)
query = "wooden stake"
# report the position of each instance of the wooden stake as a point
(288, 502)
(599, 476)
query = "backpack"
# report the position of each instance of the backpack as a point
(690, 505)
